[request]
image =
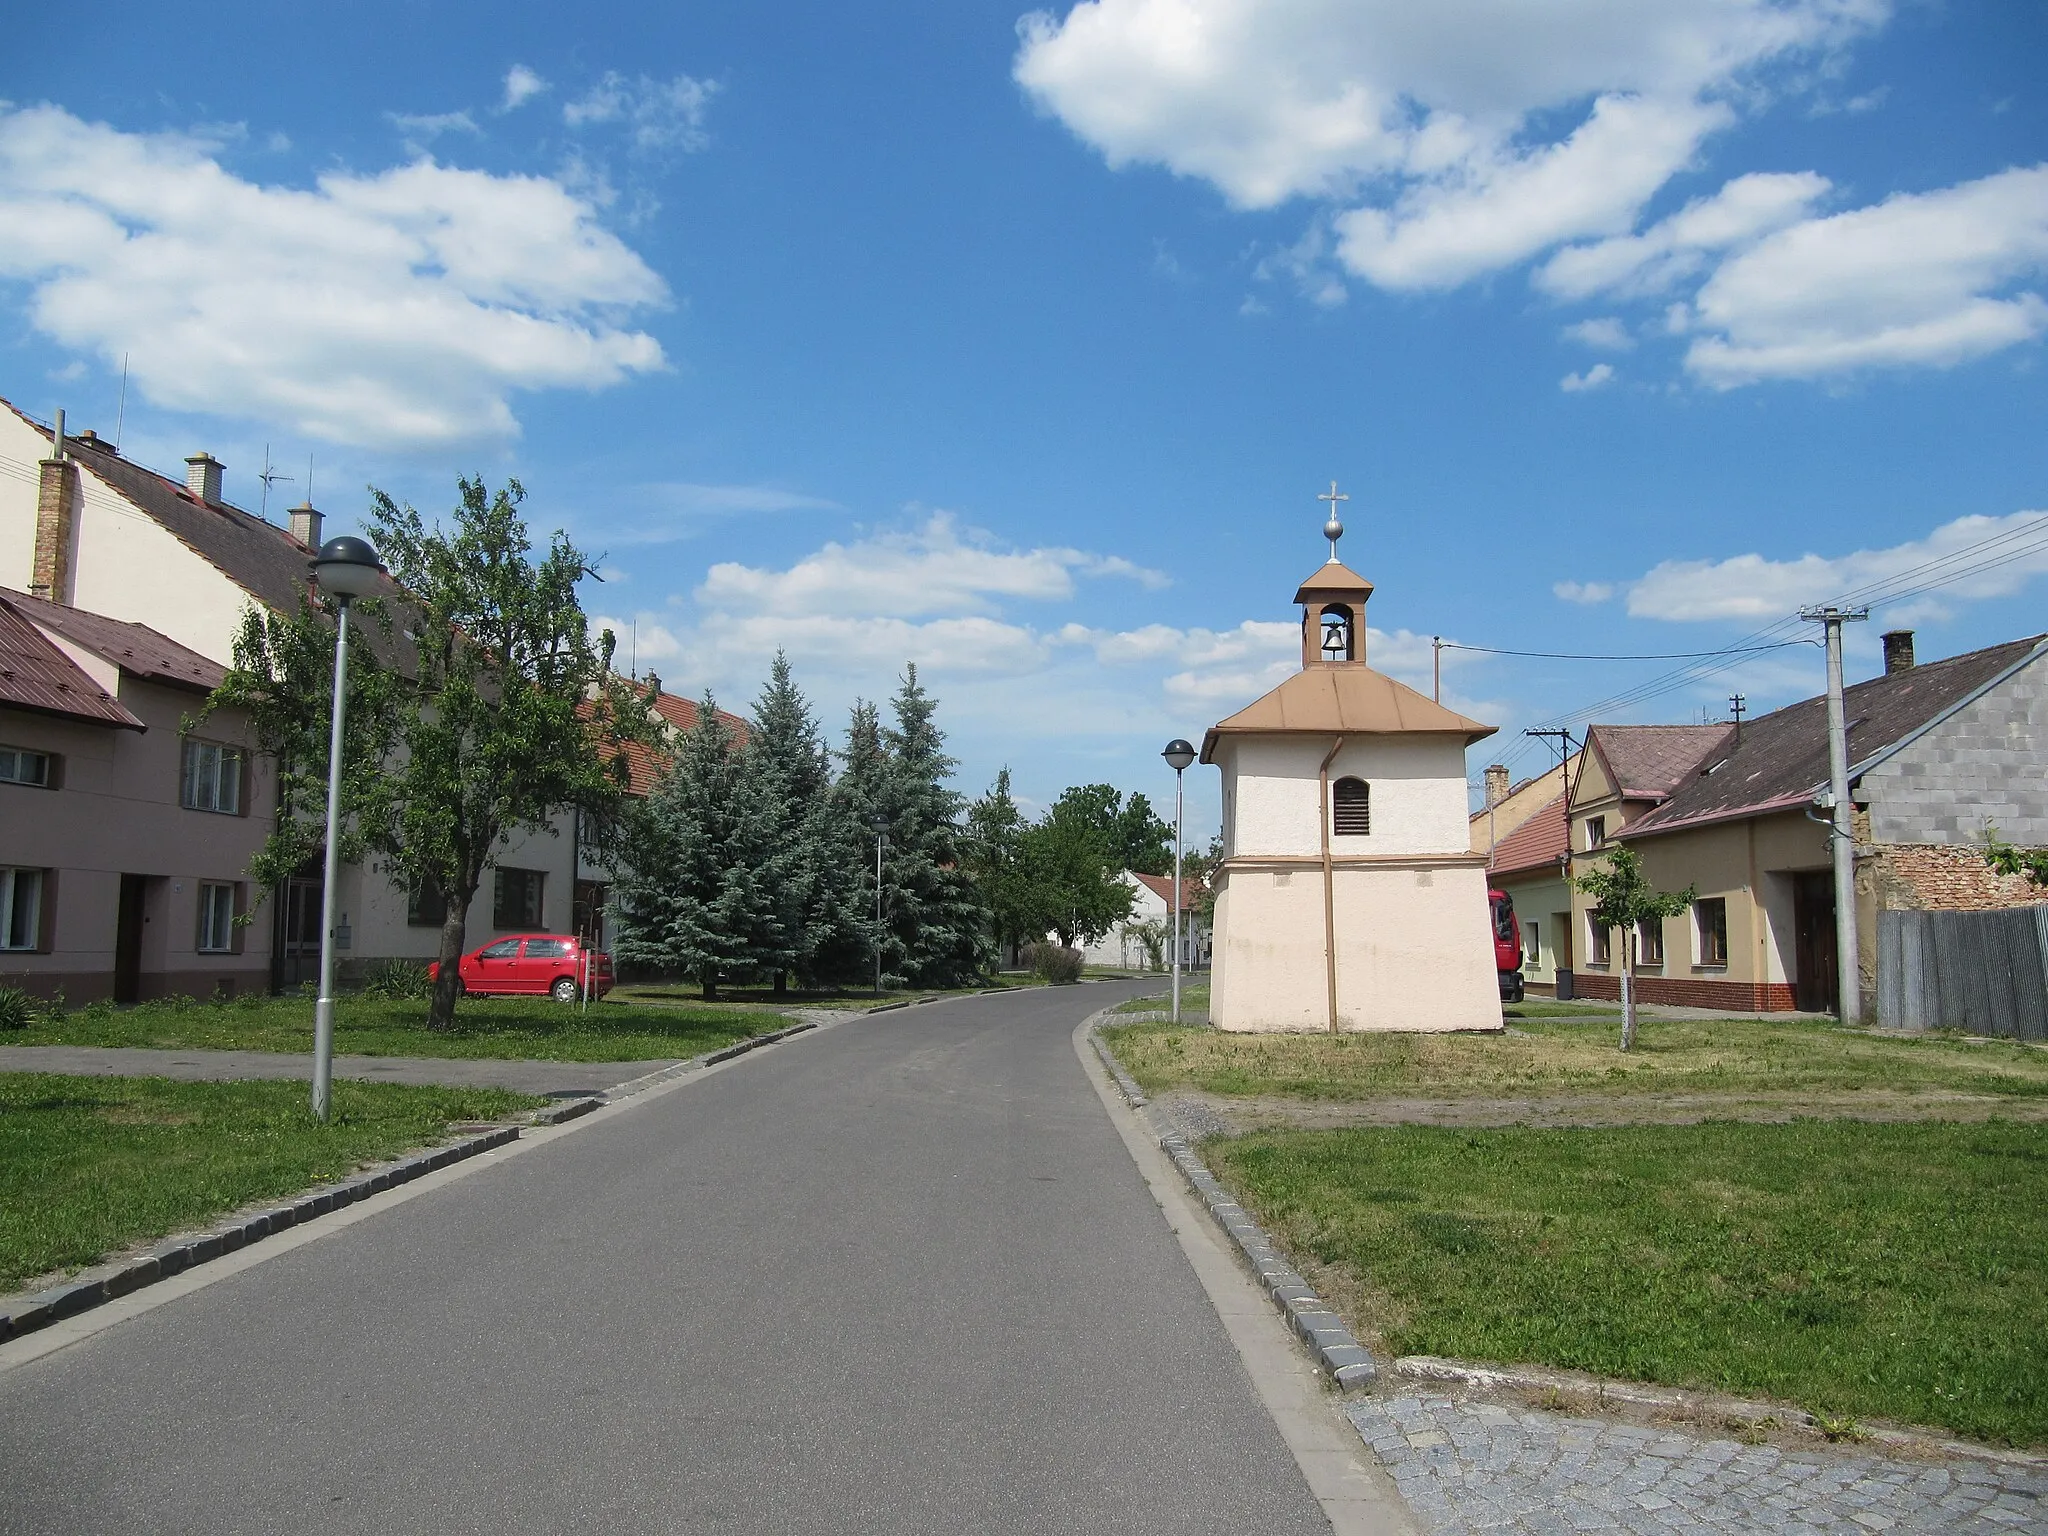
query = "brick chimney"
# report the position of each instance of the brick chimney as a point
(306, 525)
(1898, 651)
(56, 521)
(1496, 783)
(202, 477)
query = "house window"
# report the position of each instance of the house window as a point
(1598, 941)
(1650, 941)
(21, 908)
(1351, 807)
(1532, 949)
(216, 918)
(1596, 832)
(213, 778)
(517, 900)
(1710, 917)
(425, 908)
(18, 765)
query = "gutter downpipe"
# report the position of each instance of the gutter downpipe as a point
(1329, 882)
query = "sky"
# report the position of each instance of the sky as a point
(1020, 345)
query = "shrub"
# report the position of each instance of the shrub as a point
(1056, 964)
(17, 1009)
(401, 979)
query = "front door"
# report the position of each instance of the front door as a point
(1813, 929)
(128, 920)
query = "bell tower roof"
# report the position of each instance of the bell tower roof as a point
(1335, 579)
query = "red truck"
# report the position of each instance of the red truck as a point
(1507, 946)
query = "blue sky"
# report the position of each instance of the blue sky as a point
(1022, 348)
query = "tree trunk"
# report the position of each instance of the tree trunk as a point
(448, 980)
(1628, 988)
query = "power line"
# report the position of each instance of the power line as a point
(1489, 650)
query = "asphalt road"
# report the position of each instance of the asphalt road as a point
(894, 1276)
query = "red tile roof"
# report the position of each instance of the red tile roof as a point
(136, 649)
(1648, 762)
(36, 675)
(1162, 887)
(1538, 843)
(646, 763)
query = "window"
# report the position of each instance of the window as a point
(1532, 950)
(1710, 917)
(425, 908)
(1351, 808)
(504, 949)
(1596, 832)
(517, 900)
(546, 949)
(213, 778)
(1598, 941)
(1650, 941)
(21, 908)
(216, 919)
(18, 765)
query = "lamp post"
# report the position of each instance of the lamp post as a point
(1178, 755)
(880, 826)
(346, 569)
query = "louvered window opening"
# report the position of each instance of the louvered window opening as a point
(1351, 807)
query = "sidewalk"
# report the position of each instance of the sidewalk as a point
(538, 1077)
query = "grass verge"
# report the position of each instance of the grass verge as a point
(1706, 1056)
(509, 1028)
(94, 1164)
(1194, 998)
(1859, 1270)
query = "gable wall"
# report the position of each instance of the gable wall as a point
(1272, 800)
(1986, 764)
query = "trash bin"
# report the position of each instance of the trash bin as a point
(1564, 986)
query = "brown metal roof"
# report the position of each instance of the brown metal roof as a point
(1782, 758)
(1538, 843)
(36, 675)
(1334, 580)
(1648, 762)
(1348, 699)
(136, 649)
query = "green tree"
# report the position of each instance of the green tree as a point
(1624, 899)
(1071, 872)
(498, 711)
(936, 927)
(1135, 836)
(993, 846)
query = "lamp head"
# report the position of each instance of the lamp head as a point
(347, 567)
(1178, 755)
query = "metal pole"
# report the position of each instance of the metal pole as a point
(878, 914)
(1177, 810)
(1437, 688)
(1849, 984)
(323, 1010)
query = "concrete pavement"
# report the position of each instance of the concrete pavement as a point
(896, 1276)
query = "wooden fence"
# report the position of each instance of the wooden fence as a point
(1982, 972)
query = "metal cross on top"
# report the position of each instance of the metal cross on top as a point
(1333, 530)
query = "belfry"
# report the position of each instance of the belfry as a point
(1348, 897)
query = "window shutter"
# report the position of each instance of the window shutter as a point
(1351, 808)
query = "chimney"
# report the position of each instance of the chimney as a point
(1898, 651)
(306, 525)
(1496, 783)
(202, 477)
(56, 521)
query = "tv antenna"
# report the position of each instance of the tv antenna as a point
(270, 474)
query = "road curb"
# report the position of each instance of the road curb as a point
(1333, 1346)
(103, 1283)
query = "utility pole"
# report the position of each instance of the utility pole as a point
(1736, 702)
(1848, 967)
(1561, 968)
(1437, 690)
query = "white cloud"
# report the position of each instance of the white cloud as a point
(400, 309)
(1927, 279)
(1743, 210)
(1751, 587)
(521, 86)
(425, 127)
(1605, 334)
(1592, 378)
(1463, 136)
(1588, 592)
(658, 114)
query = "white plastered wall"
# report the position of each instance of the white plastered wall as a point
(1273, 800)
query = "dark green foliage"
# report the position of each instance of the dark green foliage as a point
(993, 848)
(1072, 868)
(399, 979)
(1054, 963)
(17, 1009)
(2010, 859)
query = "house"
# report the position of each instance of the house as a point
(1938, 753)
(1348, 897)
(1529, 865)
(83, 527)
(1126, 945)
(127, 839)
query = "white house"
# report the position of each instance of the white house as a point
(1349, 896)
(1152, 913)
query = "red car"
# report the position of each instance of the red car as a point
(534, 964)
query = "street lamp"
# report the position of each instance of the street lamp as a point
(879, 825)
(346, 569)
(1178, 755)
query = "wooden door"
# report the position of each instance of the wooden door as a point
(128, 922)
(1813, 930)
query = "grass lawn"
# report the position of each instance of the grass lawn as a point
(1859, 1270)
(1707, 1056)
(496, 1027)
(94, 1164)
(1194, 998)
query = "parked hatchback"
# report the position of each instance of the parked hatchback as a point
(556, 965)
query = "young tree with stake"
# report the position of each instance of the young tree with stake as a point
(1624, 899)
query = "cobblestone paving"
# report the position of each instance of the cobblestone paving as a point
(1467, 1467)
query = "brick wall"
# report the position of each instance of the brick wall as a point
(1692, 992)
(1946, 878)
